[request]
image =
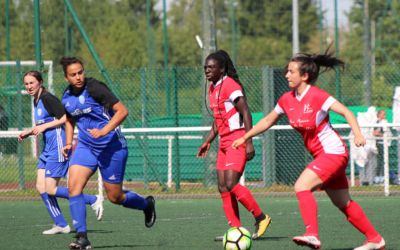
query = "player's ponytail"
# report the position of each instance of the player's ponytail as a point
(311, 64)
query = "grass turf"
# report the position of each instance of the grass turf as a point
(193, 224)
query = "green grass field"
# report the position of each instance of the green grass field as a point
(193, 224)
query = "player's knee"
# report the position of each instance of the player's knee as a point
(222, 188)
(115, 198)
(51, 190)
(40, 187)
(230, 185)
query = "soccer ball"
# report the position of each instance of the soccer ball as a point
(237, 238)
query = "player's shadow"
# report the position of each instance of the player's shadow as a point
(269, 238)
(100, 231)
(128, 246)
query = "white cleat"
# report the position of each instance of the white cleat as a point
(58, 230)
(98, 207)
(307, 240)
(372, 245)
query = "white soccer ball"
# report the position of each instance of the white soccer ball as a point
(237, 238)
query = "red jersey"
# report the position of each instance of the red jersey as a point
(222, 96)
(309, 114)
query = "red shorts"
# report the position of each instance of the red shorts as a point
(229, 158)
(331, 169)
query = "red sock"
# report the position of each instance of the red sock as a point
(356, 216)
(230, 206)
(309, 211)
(245, 197)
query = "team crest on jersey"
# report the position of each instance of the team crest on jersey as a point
(39, 112)
(307, 108)
(81, 99)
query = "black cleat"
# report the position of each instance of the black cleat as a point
(150, 212)
(81, 242)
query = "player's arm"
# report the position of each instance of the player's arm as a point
(203, 150)
(120, 113)
(55, 109)
(53, 124)
(263, 125)
(339, 108)
(243, 109)
(103, 95)
(69, 136)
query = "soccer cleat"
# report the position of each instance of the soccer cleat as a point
(368, 245)
(307, 240)
(58, 230)
(219, 238)
(98, 207)
(150, 212)
(81, 242)
(261, 227)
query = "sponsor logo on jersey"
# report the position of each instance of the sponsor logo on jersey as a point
(307, 109)
(39, 112)
(78, 112)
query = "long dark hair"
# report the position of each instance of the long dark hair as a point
(311, 64)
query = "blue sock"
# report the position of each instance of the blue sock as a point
(133, 200)
(77, 208)
(62, 192)
(54, 210)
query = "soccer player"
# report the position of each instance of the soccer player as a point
(96, 111)
(307, 108)
(232, 119)
(50, 117)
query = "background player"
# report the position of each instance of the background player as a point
(97, 113)
(50, 118)
(307, 108)
(231, 119)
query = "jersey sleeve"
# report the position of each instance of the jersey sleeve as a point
(234, 90)
(279, 107)
(53, 105)
(328, 103)
(101, 93)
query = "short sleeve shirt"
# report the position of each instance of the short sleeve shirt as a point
(309, 115)
(222, 96)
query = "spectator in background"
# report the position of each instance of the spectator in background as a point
(379, 132)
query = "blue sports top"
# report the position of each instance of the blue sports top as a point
(91, 108)
(47, 109)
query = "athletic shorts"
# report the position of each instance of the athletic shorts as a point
(331, 169)
(111, 161)
(229, 158)
(53, 169)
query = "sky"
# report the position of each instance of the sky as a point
(343, 7)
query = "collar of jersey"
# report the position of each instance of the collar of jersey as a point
(220, 81)
(299, 97)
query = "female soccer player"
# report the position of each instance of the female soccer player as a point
(307, 107)
(231, 119)
(50, 118)
(97, 113)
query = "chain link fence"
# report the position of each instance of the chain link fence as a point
(168, 118)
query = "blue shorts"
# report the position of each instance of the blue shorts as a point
(53, 169)
(111, 161)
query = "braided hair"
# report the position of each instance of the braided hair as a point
(311, 64)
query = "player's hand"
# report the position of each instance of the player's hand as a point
(96, 133)
(359, 140)
(250, 152)
(37, 130)
(24, 135)
(66, 151)
(203, 150)
(238, 142)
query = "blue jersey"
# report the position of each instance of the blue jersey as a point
(91, 108)
(47, 109)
